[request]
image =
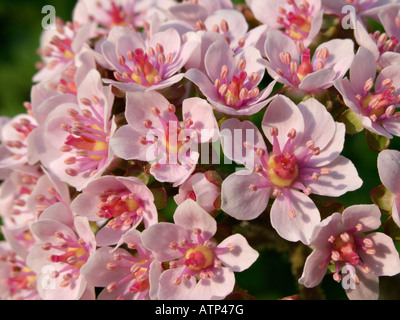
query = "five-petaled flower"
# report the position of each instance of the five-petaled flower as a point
(198, 267)
(348, 242)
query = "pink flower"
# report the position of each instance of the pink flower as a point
(293, 65)
(346, 240)
(67, 82)
(231, 83)
(73, 142)
(14, 195)
(17, 281)
(204, 188)
(14, 136)
(224, 24)
(59, 47)
(47, 192)
(110, 13)
(389, 173)
(374, 98)
(305, 159)
(122, 201)
(199, 269)
(300, 20)
(125, 276)
(24, 196)
(384, 46)
(229, 23)
(155, 135)
(58, 256)
(151, 64)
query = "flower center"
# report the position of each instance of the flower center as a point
(170, 139)
(294, 72)
(234, 88)
(123, 207)
(346, 248)
(116, 15)
(305, 67)
(381, 104)
(21, 279)
(60, 46)
(283, 169)
(88, 140)
(143, 68)
(199, 257)
(296, 19)
(238, 90)
(142, 282)
(75, 257)
(300, 26)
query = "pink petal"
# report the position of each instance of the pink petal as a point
(241, 257)
(59, 212)
(171, 291)
(389, 169)
(362, 69)
(284, 115)
(396, 211)
(266, 11)
(276, 43)
(236, 22)
(321, 79)
(107, 236)
(364, 40)
(368, 215)
(375, 127)
(155, 272)
(125, 144)
(349, 96)
(297, 228)
(218, 55)
(312, 272)
(175, 173)
(332, 150)
(95, 271)
(44, 230)
(318, 123)
(158, 237)
(316, 25)
(325, 229)
(343, 177)
(84, 231)
(341, 53)
(169, 39)
(190, 216)
(385, 262)
(139, 108)
(368, 289)
(203, 82)
(204, 123)
(392, 73)
(207, 38)
(216, 288)
(239, 201)
(233, 135)
(389, 59)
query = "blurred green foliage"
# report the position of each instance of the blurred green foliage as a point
(20, 30)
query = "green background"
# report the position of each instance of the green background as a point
(271, 276)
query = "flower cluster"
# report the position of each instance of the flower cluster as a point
(161, 134)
